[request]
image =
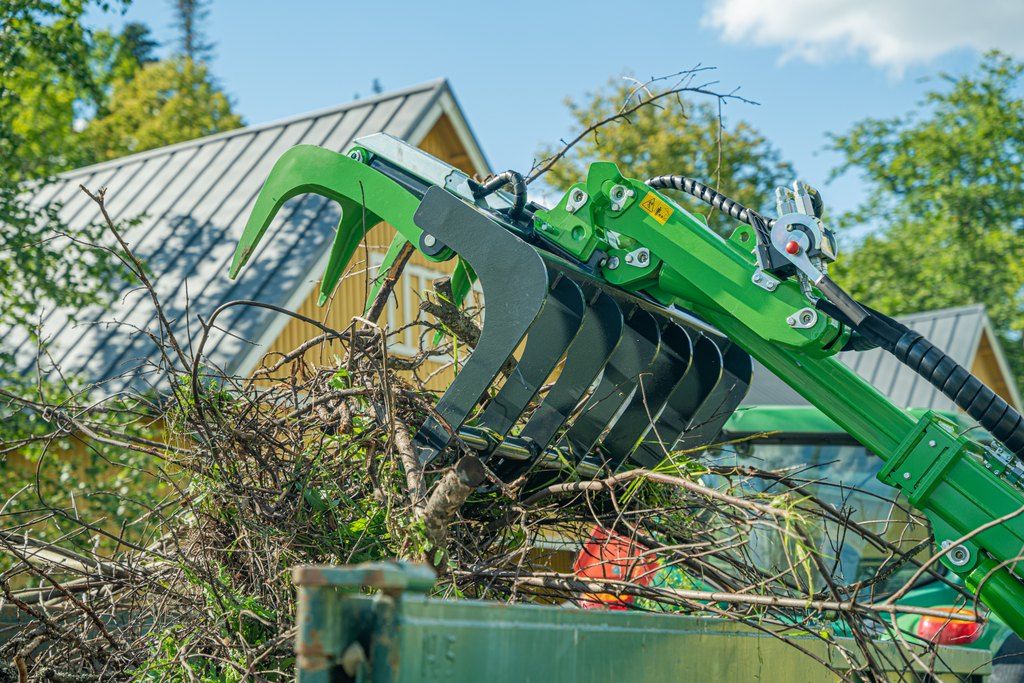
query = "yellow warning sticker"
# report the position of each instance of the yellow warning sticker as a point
(658, 209)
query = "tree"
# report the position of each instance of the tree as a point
(56, 77)
(45, 80)
(946, 188)
(674, 135)
(165, 102)
(188, 17)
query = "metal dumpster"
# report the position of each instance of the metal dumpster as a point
(399, 635)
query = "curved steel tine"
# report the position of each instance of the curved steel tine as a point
(639, 346)
(546, 342)
(652, 394)
(692, 389)
(515, 283)
(590, 351)
(707, 423)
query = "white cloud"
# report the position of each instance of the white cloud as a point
(891, 33)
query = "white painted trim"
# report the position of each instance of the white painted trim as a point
(426, 124)
(466, 137)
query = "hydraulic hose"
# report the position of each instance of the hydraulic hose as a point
(728, 206)
(873, 329)
(912, 349)
(515, 181)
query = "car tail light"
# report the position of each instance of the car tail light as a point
(959, 628)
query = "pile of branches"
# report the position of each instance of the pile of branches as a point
(311, 462)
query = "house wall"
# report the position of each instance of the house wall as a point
(986, 368)
(443, 142)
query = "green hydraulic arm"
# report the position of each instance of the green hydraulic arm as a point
(764, 289)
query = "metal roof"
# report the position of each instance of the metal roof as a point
(192, 200)
(957, 331)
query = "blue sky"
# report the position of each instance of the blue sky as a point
(815, 66)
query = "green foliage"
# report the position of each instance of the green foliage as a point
(946, 186)
(70, 97)
(674, 136)
(162, 103)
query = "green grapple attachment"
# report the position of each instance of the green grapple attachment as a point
(642, 322)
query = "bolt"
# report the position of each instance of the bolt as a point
(770, 285)
(630, 193)
(613, 263)
(758, 278)
(988, 465)
(931, 443)
(906, 475)
(791, 321)
(429, 240)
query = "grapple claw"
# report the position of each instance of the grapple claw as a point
(637, 380)
(515, 284)
(633, 356)
(653, 391)
(590, 351)
(546, 344)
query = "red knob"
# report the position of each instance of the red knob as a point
(792, 247)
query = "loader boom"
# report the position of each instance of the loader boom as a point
(642, 299)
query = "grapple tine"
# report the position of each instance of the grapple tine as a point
(633, 356)
(515, 284)
(590, 351)
(690, 392)
(653, 392)
(707, 423)
(549, 337)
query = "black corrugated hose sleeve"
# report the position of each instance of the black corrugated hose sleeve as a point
(911, 348)
(515, 180)
(963, 388)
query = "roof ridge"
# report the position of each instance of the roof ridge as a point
(436, 84)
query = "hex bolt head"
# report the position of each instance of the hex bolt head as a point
(906, 475)
(931, 443)
(613, 263)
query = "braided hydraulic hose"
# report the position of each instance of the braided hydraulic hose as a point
(730, 207)
(909, 347)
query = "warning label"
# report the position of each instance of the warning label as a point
(656, 207)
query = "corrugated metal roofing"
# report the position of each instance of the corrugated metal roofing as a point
(192, 200)
(957, 331)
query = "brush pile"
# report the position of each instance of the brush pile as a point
(311, 462)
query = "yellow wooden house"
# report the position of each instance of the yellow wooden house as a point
(188, 204)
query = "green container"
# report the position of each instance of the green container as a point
(401, 636)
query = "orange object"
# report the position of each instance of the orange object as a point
(950, 630)
(610, 556)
